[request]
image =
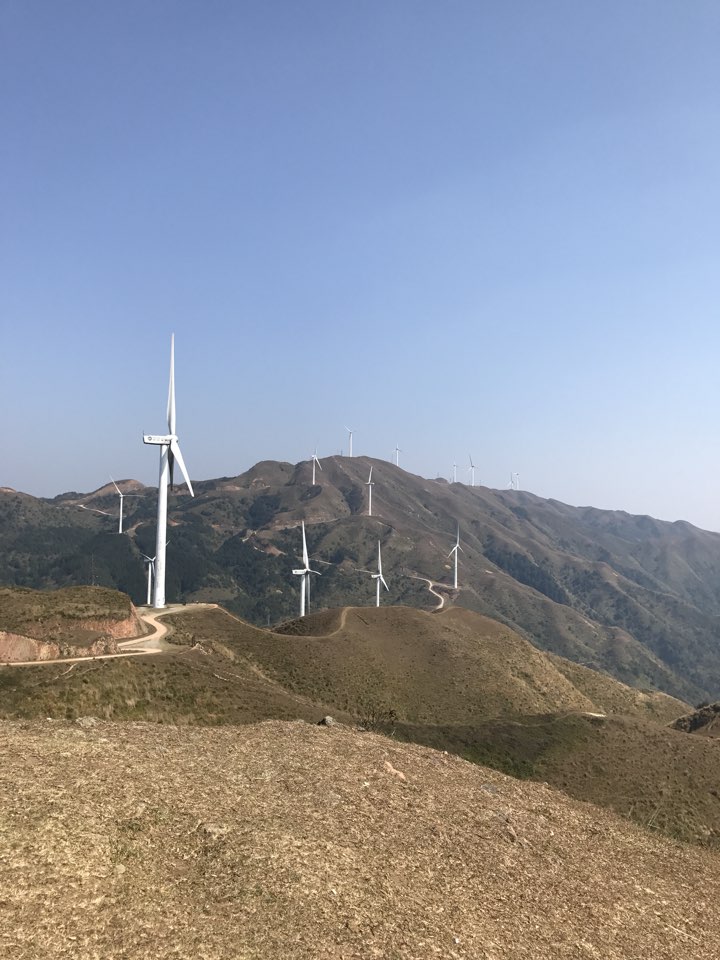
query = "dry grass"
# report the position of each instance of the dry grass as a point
(289, 840)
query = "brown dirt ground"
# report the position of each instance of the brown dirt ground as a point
(292, 840)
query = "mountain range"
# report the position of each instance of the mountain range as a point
(636, 597)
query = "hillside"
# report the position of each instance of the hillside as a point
(303, 842)
(455, 681)
(632, 596)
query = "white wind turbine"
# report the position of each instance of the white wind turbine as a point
(350, 433)
(454, 472)
(455, 550)
(379, 578)
(122, 497)
(169, 453)
(315, 462)
(397, 453)
(517, 481)
(305, 574)
(471, 471)
(150, 563)
(370, 485)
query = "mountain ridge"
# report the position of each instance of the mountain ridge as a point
(637, 597)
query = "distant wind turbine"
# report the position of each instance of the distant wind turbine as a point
(314, 462)
(471, 471)
(455, 550)
(305, 574)
(454, 473)
(350, 433)
(169, 453)
(379, 578)
(122, 497)
(150, 563)
(517, 481)
(370, 485)
(397, 453)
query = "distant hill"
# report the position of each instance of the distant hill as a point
(632, 596)
(298, 841)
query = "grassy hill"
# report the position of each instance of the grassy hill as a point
(303, 842)
(456, 681)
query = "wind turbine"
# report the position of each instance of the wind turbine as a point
(314, 462)
(150, 562)
(169, 453)
(517, 481)
(350, 434)
(379, 578)
(122, 497)
(397, 452)
(370, 485)
(471, 471)
(455, 551)
(305, 574)
(454, 472)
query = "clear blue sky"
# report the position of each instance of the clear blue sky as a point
(471, 227)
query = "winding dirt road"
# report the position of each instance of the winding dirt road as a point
(434, 592)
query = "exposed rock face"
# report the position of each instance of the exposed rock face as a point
(56, 638)
(15, 648)
(705, 720)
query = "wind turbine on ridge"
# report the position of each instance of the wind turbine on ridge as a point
(314, 462)
(397, 453)
(169, 453)
(379, 578)
(350, 435)
(305, 574)
(454, 472)
(455, 551)
(370, 485)
(471, 471)
(122, 497)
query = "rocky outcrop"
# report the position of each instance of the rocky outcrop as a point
(15, 648)
(63, 637)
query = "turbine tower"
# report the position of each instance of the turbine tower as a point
(455, 550)
(350, 433)
(379, 578)
(471, 471)
(169, 453)
(370, 485)
(397, 452)
(305, 574)
(454, 472)
(517, 481)
(314, 462)
(150, 563)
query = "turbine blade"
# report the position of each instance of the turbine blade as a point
(175, 452)
(171, 390)
(306, 561)
(115, 485)
(370, 477)
(382, 581)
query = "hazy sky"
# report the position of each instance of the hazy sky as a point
(466, 226)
